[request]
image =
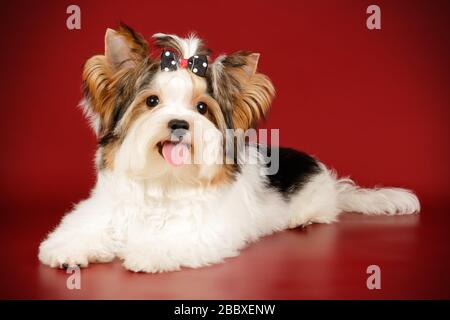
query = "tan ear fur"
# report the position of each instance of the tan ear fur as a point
(124, 47)
(124, 50)
(242, 89)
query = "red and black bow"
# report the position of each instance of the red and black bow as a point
(196, 64)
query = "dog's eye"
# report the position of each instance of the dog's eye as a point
(152, 101)
(202, 107)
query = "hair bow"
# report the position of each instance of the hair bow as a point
(196, 64)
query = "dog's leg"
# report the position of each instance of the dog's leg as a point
(375, 201)
(316, 202)
(82, 237)
(170, 252)
(324, 197)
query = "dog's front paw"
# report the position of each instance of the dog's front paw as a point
(58, 254)
(138, 262)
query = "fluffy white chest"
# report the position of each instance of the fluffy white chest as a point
(228, 214)
(164, 213)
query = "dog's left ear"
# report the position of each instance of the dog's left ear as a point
(243, 93)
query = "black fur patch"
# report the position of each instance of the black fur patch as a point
(106, 139)
(295, 169)
(123, 101)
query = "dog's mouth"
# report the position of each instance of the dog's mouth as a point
(176, 153)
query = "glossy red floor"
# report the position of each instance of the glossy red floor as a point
(319, 262)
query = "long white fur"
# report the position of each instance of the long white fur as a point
(158, 218)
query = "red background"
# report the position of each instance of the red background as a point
(373, 104)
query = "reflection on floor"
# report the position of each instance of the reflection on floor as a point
(318, 262)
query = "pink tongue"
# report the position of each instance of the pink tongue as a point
(175, 153)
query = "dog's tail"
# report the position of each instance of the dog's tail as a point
(377, 201)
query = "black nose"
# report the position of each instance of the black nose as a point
(176, 124)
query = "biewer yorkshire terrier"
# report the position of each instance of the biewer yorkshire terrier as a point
(178, 182)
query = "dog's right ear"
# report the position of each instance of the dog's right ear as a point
(125, 49)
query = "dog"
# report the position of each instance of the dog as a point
(167, 196)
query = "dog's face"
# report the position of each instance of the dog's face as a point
(170, 125)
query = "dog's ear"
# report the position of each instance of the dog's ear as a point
(124, 48)
(244, 94)
(124, 51)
